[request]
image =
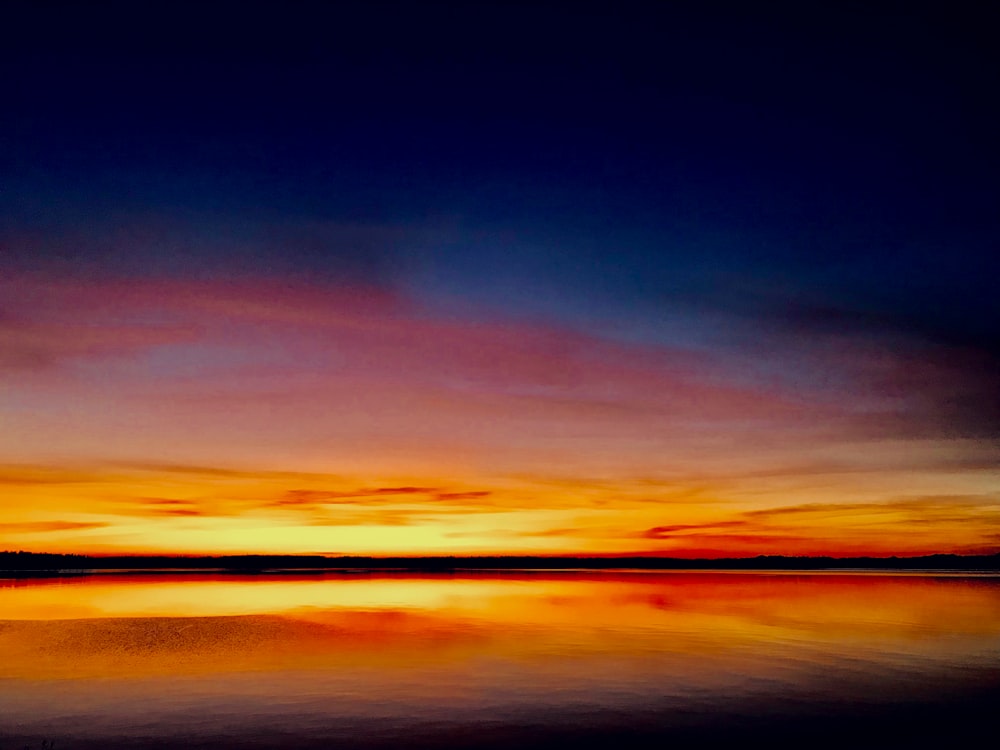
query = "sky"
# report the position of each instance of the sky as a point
(703, 280)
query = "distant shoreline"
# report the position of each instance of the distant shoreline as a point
(27, 565)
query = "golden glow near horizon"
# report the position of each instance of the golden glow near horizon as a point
(224, 418)
(191, 510)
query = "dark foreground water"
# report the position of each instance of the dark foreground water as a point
(501, 661)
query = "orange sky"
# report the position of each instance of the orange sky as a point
(287, 417)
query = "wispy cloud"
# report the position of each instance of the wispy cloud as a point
(27, 346)
(367, 517)
(920, 506)
(666, 532)
(909, 523)
(35, 527)
(177, 512)
(371, 496)
(41, 475)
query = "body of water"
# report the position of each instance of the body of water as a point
(499, 661)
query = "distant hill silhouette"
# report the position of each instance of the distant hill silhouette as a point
(28, 563)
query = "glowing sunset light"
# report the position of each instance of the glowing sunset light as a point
(258, 416)
(485, 279)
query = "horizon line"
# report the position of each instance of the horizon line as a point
(49, 562)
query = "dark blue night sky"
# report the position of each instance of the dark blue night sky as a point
(843, 153)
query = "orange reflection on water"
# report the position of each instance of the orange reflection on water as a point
(135, 625)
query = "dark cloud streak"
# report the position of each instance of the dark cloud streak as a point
(33, 527)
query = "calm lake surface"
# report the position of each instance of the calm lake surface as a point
(495, 661)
